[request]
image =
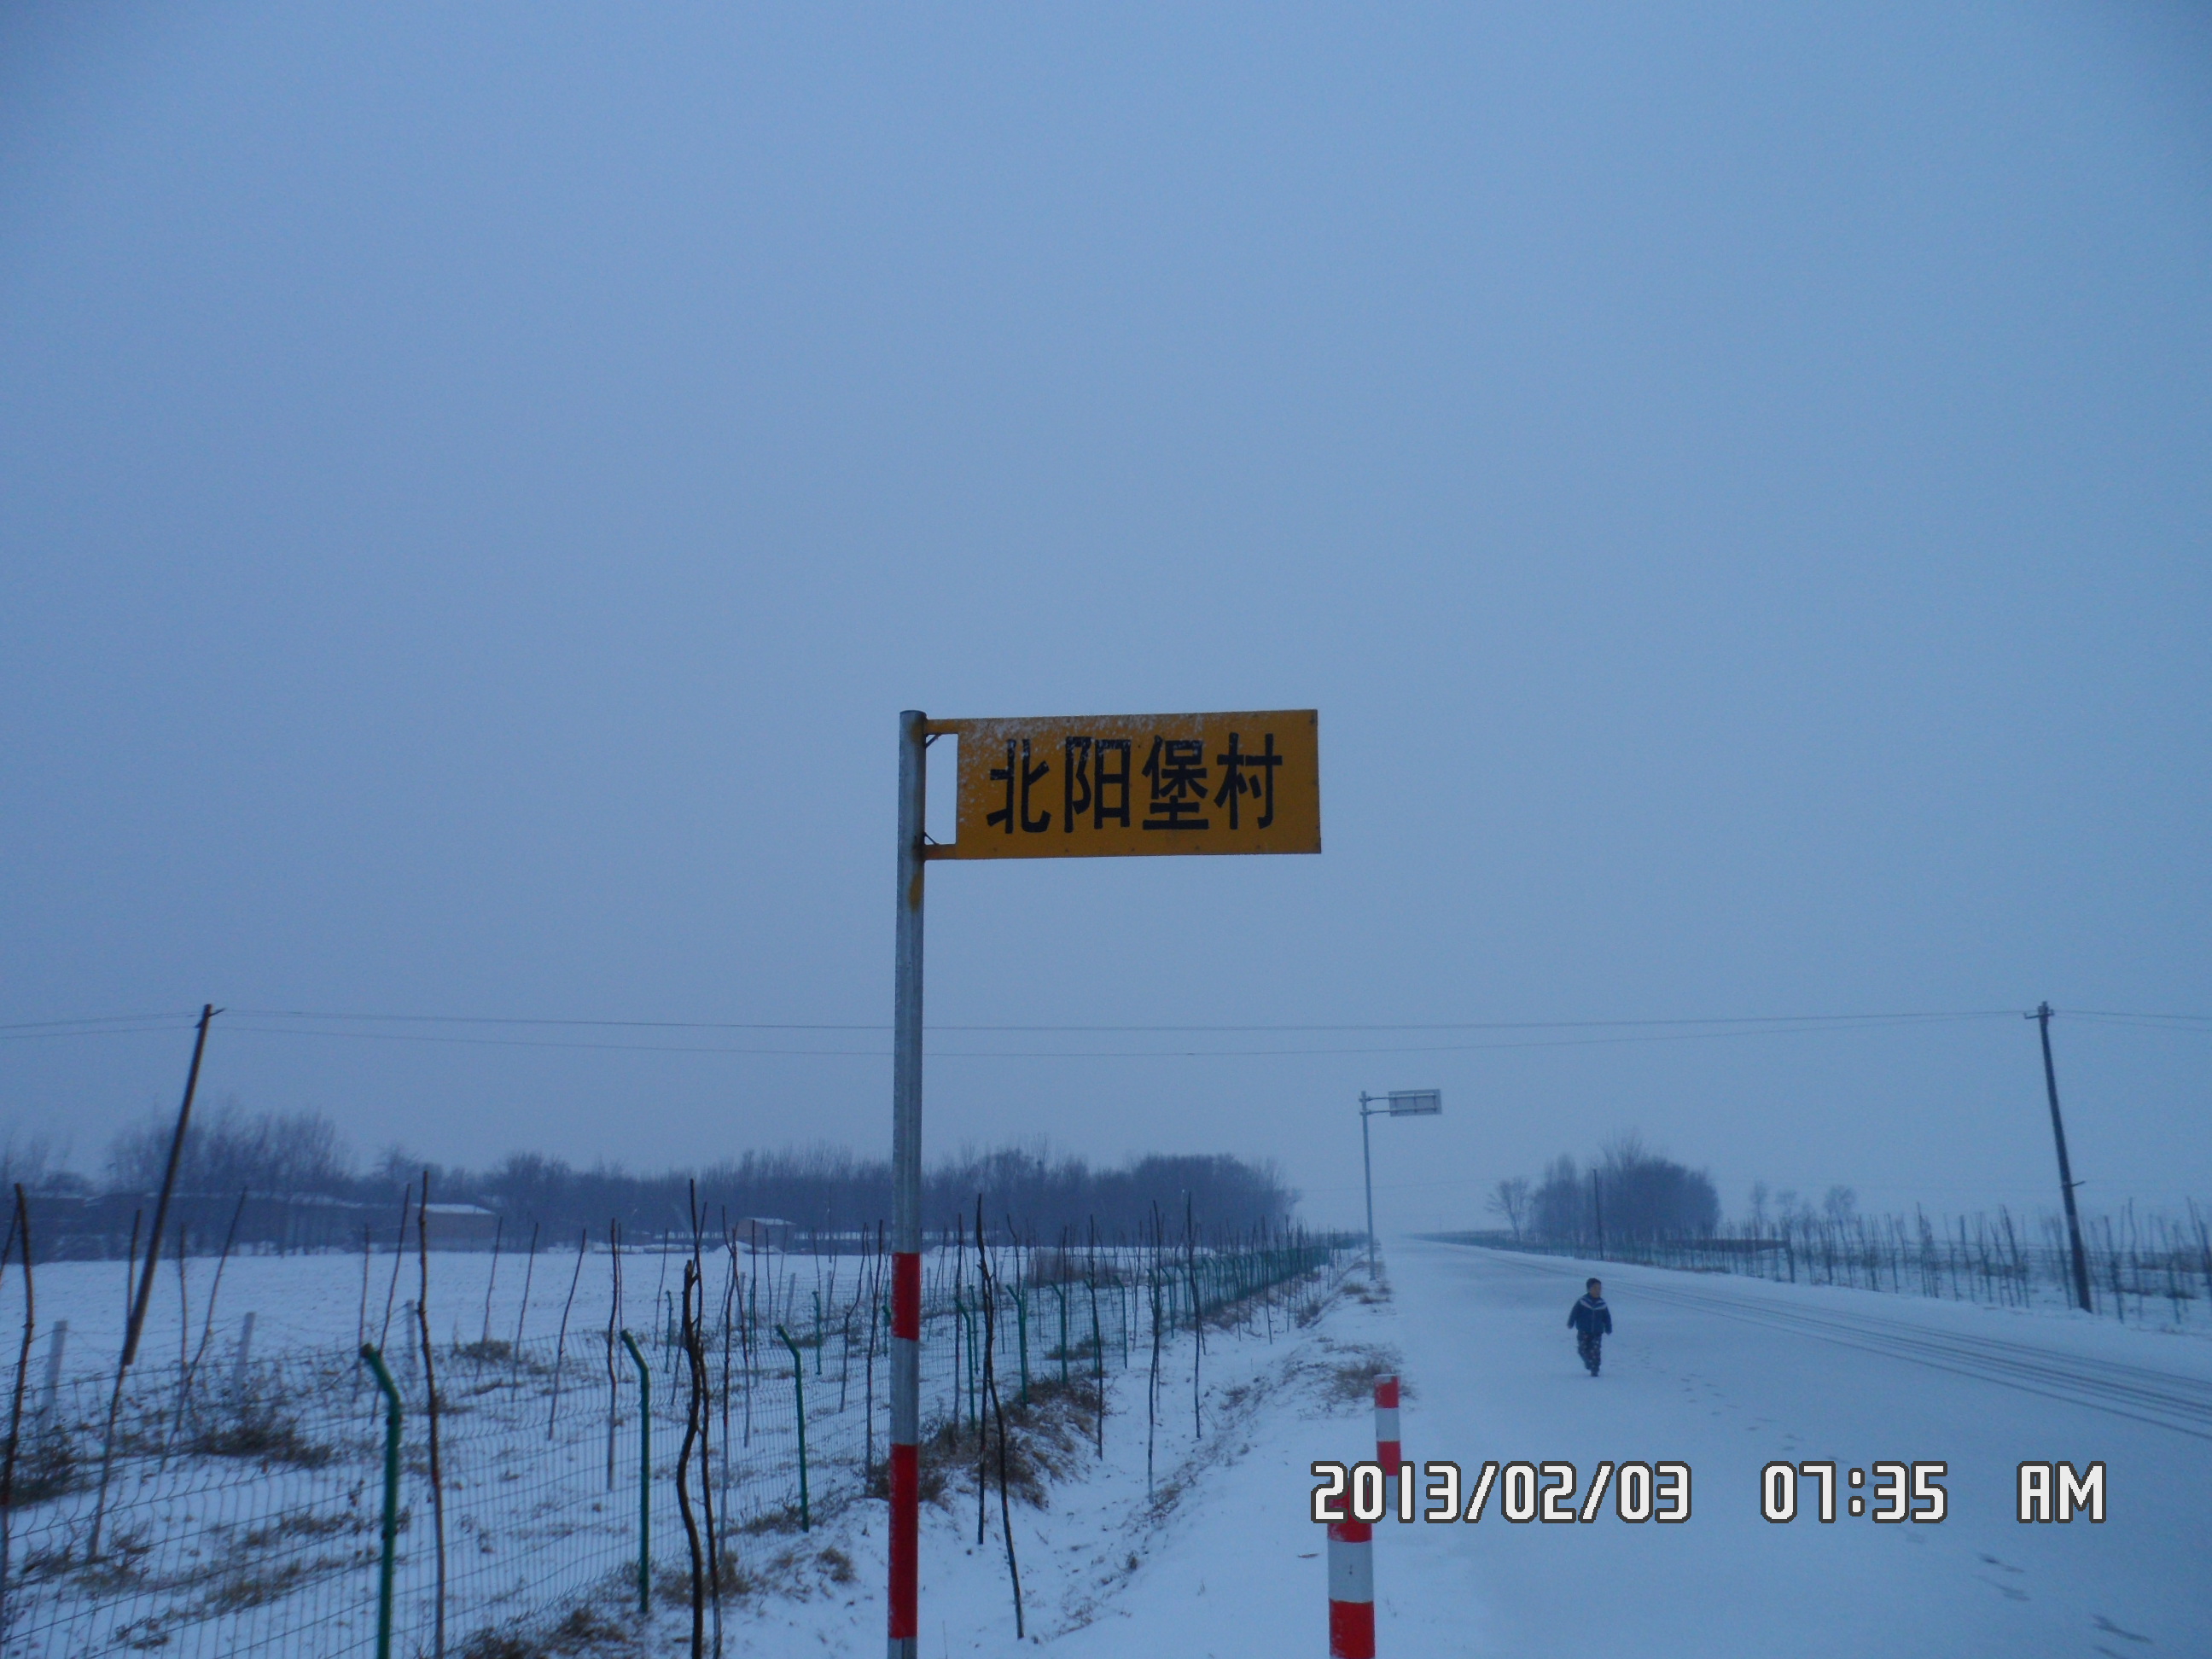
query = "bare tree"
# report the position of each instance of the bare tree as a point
(1509, 1199)
(1646, 1195)
(280, 1152)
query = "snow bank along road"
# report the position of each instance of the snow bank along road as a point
(1725, 1375)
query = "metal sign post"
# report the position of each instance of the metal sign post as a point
(1080, 786)
(906, 1193)
(1398, 1102)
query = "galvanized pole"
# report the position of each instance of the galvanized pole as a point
(2042, 1018)
(904, 1621)
(1367, 1174)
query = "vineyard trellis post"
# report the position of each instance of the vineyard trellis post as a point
(798, 1395)
(19, 1225)
(644, 1474)
(329, 1599)
(388, 1532)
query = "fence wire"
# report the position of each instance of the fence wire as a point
(236, 1509)
(2156, 1271)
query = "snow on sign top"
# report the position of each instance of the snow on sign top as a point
(1416, 1103)
(1111, 786)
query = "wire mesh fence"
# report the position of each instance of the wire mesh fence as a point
(237, 1509)
(2156, 1270)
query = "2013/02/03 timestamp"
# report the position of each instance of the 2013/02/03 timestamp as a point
(1897, 1491)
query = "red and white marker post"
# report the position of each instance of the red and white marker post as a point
(1351, 1545)
(1351, 1589)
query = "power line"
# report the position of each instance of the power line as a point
(1294, 1027)
(502, 1019)
(2111, 1013)
(96, 1031)
(290, 1022)
(1732, 1030)
(2196, 1024)
(98, 1020)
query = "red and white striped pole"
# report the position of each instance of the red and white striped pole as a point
(1386, 1424)
(905, 1622)
(1351, 1590)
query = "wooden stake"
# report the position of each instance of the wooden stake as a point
(430, 1393)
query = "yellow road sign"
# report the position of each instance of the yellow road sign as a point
(1114, 784)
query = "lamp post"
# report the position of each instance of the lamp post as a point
(1398, 1102)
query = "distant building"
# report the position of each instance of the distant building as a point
(71, 1225)
(76, 1226)
(761, 1232)
(460, 1226)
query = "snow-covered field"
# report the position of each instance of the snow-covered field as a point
(316, 1301)
(1724, 1375)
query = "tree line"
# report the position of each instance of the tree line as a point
(302, 1159)
(1627, 1192)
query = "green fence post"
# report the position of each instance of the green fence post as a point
(1022, 1320)
(1062, 1289)
(644, 1475)
(959, 1347)
(798, 1389)
(374, 1361)
(968, 1321)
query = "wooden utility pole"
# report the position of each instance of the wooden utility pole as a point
(2066, 1183)
(208, 1011)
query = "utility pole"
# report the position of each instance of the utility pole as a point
(1597, 1209)
(136, 1323)
(2066, 1182)
(208, 1011)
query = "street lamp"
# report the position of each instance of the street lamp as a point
(1398, 1102)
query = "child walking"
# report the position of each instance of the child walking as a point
(1592, 1321)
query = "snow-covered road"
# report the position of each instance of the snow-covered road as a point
(1723, 1374)
(2071, 1362)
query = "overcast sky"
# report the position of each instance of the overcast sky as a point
(478, 483)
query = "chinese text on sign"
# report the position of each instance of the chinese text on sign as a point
(1117, 785)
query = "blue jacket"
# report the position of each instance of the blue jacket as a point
(1590, 1317)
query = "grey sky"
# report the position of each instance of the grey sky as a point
(479, 483)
